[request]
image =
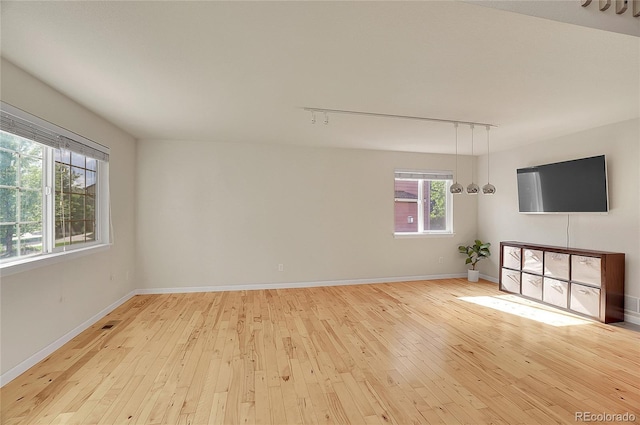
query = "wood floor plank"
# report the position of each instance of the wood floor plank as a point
(397, 353)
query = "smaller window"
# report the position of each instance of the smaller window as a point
(423, 203)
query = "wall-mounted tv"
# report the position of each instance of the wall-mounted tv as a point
(577, 186)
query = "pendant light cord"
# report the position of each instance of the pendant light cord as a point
(472, 161)
(488, 156)
(456, 126)
(568, 215)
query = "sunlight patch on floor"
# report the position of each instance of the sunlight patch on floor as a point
(528, 309)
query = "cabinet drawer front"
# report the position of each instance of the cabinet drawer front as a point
(586, 269)
(585, 300)
(555, 292)
(511, 257)
(510, 281)
(533, 261)
(532, 286)
(556, 265)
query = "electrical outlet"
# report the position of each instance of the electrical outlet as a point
(440, 260)
(280, 267)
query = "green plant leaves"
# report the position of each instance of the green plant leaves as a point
(475, 252)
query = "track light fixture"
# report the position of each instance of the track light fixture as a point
(621, 6)
(456, 187)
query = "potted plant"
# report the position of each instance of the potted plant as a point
(476, 252)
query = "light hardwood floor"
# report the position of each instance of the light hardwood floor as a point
(398, 353)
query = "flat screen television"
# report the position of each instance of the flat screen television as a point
(577, 186)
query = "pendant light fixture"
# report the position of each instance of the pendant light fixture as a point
(473, 188)
(488, 189)
(456, 187)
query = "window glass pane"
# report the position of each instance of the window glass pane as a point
(91, 182)
(8, 205)
(63, 206)
(8, 241)
(77, 160)
(435, 205)
(62, 156)
(90, 208)
(406, 214)
(30, 206)
(90, 229)
(406, 206)
(31, 172)
(63, 178)
(406, 189)
(63, 233)
(29, 147)
(92, 164)
(20, 145)
(8, 168)
(9, 141)
(77, 207)
(77, 180)
(30, 239)
(77, 232)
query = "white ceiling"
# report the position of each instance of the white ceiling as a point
(240, 71)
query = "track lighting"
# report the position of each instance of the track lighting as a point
(456, 187)
(621, 6)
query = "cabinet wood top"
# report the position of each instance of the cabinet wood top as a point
(559, 249)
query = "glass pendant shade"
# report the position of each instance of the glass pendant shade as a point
(488, 189)
(456, 188)
(473, 189)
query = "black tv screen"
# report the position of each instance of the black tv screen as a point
(573, 186)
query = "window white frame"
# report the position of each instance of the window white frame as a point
(421, 177)
(54, 137)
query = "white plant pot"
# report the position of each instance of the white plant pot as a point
(473, 275)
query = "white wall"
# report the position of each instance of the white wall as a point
(216, 214)
(42, 305)
(619, 230)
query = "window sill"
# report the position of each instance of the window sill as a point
(48, 259)
(423, 235)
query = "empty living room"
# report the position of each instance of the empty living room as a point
(325, 212)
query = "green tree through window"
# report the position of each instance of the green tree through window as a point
(20, 196)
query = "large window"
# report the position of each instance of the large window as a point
(423, 202)
(53, 189)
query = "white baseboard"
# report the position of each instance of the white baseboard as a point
(489, 278)
(292, 285)
(16, 371)
(632, 317)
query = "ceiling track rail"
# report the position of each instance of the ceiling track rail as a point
(406, 117)
(621, 6)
